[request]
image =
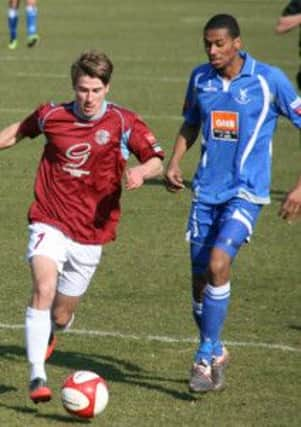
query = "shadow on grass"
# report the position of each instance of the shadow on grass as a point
(113, 369)
(64, 418)
(21, 409)
(34, 412)
(6, 389)
(295, 327)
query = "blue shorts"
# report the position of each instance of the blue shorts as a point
(226, 226)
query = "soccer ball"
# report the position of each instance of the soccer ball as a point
(84, 394)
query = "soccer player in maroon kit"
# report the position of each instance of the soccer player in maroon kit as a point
(77, 198)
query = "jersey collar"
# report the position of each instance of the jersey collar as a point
(97, 116)
(247, 68)
(249, 64)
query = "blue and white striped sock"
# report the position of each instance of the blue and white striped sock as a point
(215, 308)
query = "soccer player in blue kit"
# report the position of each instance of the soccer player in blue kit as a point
(235, 101)
(31, 11)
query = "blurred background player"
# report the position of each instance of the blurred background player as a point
(291, 18)
(31, 22)
(235, 100)
(77, 198)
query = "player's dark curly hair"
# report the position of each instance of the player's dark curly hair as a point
(93, 64)
(223, 21)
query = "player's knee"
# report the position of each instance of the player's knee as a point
(43, 294)
(219, 269)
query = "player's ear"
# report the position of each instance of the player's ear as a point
(108, 87)
(238, 43)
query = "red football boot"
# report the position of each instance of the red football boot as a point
(39, 391)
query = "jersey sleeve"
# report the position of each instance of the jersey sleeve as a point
(287, 100)
(31, 125)
(292, 8)
(191, 112)
(143, 143)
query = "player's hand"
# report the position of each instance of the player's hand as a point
(291, 207)
(174, 179)
(134, 177)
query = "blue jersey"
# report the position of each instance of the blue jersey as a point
(237, 119)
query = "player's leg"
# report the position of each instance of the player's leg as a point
(12, 20)
(38, 324)
(199, 282)
(46, 255)
(236, 223)
(201, 234)
(74, 280)
(31, 23)
(63, 310)
(62, 315)
(212, 355)
(62, 318)
(197, 235)
(229, 227)
(215, 303)
(199, 256)
(210, 345)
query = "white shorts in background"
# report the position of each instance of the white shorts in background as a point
(76, 262)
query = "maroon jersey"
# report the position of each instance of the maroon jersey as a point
(78, 182)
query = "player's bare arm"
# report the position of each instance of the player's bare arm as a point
(185, 139)
(136, 175)
(10, 136)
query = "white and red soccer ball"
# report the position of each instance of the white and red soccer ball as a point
(84, 394)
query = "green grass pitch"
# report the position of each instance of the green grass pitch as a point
(134, 326)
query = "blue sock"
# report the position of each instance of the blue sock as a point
(215, 307)
(197, 311)
(13, 18)
(31, 20)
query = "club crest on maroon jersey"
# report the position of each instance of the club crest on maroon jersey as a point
(102, 137)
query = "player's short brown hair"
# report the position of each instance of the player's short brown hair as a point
(94, 64)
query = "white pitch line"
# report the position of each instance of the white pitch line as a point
(164, 339)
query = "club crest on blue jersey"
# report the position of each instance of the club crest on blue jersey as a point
(102, 137)
(243, 97)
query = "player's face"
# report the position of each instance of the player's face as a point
(90, 93)
(221, 48)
